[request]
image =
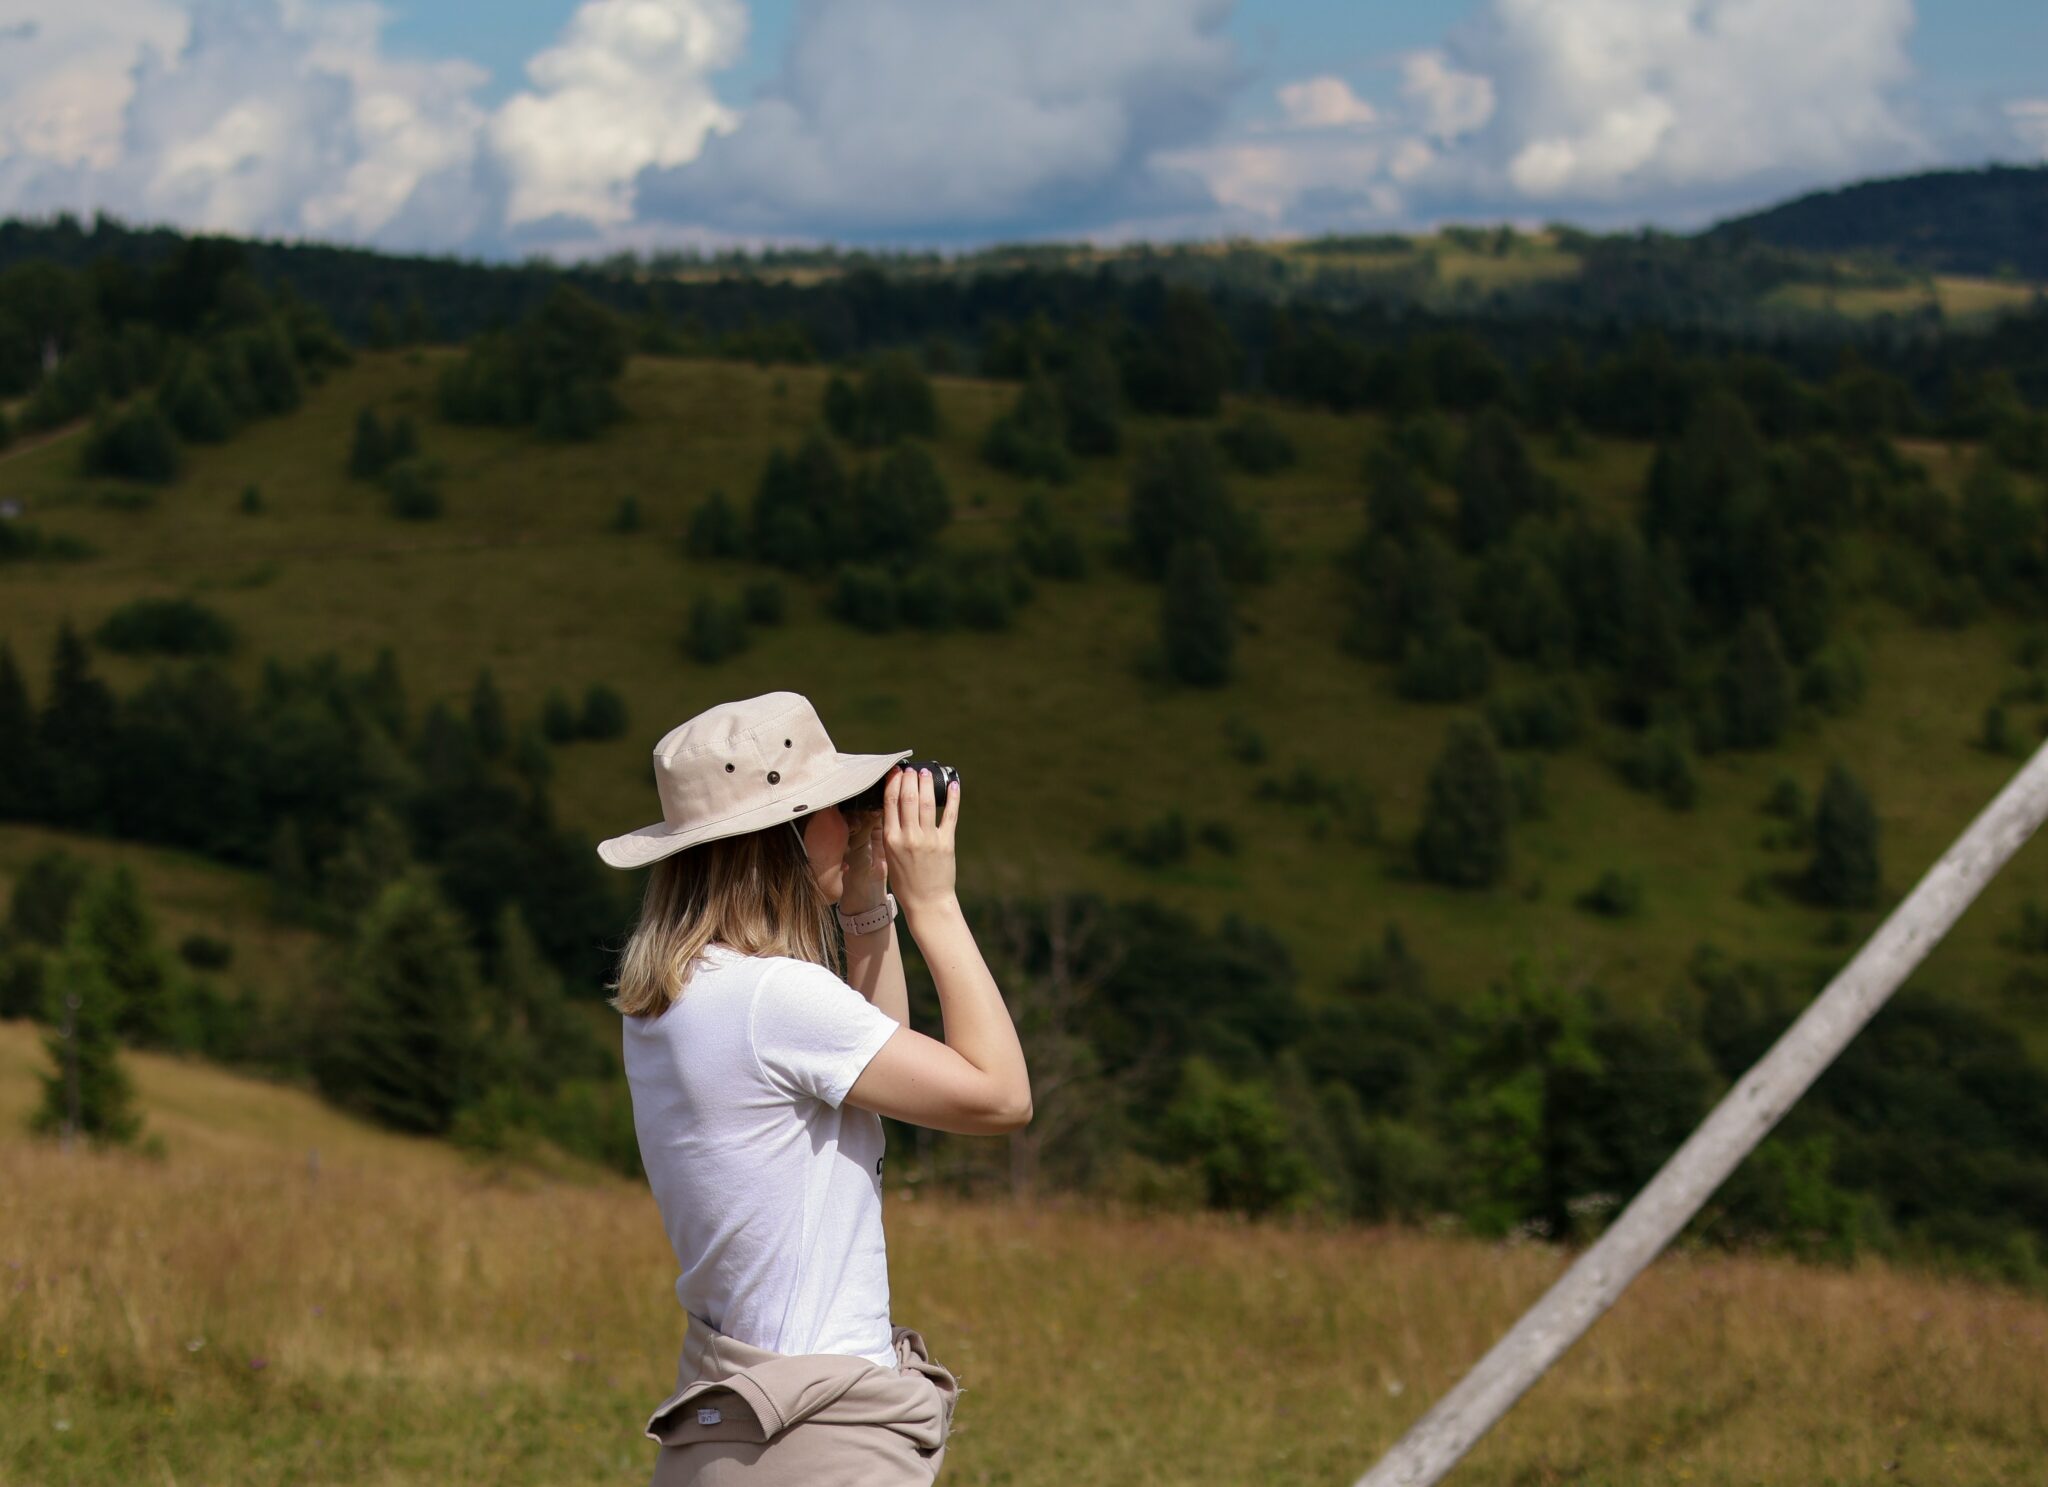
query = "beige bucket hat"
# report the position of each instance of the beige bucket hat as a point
(741, 766)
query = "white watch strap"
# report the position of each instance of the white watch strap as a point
(870, 920)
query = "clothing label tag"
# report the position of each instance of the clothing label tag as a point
(708, 1417)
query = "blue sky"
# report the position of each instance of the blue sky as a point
(1966, 48)
(1283, 37)
(572, 127)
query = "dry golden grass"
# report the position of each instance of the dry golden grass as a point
(1960, 298)
(240, 1313)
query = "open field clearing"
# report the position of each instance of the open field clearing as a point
(291, 1296)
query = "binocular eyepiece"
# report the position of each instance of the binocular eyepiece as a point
(943, 775)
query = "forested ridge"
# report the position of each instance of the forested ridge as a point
(1547, 620)
(1993, 220)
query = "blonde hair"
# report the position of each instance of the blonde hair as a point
(754, 892)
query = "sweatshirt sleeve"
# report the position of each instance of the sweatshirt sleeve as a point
(813, 1033)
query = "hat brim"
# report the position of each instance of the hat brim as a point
(651, 843)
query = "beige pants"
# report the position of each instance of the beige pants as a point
(819, 1453)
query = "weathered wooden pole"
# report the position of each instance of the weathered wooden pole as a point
(1434, 1444)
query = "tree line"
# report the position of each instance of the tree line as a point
(1179, 1065)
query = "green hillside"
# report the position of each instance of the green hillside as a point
(1992, 221)
(1052, 721)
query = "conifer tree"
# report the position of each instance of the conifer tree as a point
(537, 1037)
(799, 517)
(897, 398)
(487, 716)
(77, 732)
(401, 439)
(715, 529)
(445, 748)
(112, 919)
(558, 719)
(291, 876)
(1396, 500)
(86, 1092)
(604, 713)
(417, 326)
(1463, 839)
(1197, 628)
(842, 408)
(384, 694)
(1709, 497)
(406, 1046)
(530, 758)
(194, 404)
(1046, 545)
(1844, 871)
(1030, 439)
(894, 400)
(1184, 366)
(44, 895)
(1091, 399)
(1757, 687)
(137, 443)
(898, 506)
(1177, 490)
(1997, 531)
(21, 781)
(1496, 483)
(375, 852)
(716, 630)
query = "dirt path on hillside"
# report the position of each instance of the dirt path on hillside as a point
(30, 446)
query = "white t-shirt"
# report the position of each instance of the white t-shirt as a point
(770, 1190)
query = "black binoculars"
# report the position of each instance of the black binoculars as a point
(943, 775)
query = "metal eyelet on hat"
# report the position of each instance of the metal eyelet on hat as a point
(786, 743)
(774, 778)
(728, 769)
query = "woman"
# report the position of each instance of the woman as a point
(759, 1078)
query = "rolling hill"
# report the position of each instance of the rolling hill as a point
(1051, 718)
(290, 1295)
(1988, 222)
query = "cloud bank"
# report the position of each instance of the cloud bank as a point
(938, 121)
(941, 119)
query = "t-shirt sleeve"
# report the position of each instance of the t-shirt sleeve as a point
(812, 1032)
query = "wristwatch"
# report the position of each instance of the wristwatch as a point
(869, 920)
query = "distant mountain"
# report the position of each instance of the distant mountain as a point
(1988, 221)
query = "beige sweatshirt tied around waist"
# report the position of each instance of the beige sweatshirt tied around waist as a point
(728, 1390)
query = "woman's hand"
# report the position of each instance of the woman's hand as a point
(921, 848)
(867, 864)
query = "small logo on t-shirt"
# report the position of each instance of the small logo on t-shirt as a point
(708, 1417)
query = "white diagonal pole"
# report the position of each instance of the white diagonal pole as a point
(1744, 1117)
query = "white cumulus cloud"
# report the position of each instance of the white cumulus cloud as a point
(257, 116)
(1448, 102)
(625, 87)
(949, 121)
(1604, 99)
(64, 82)
(941, 117)
(1325, 103)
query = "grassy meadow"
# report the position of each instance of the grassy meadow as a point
(291, 1296)
(1057, 733)
(1963, 299)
